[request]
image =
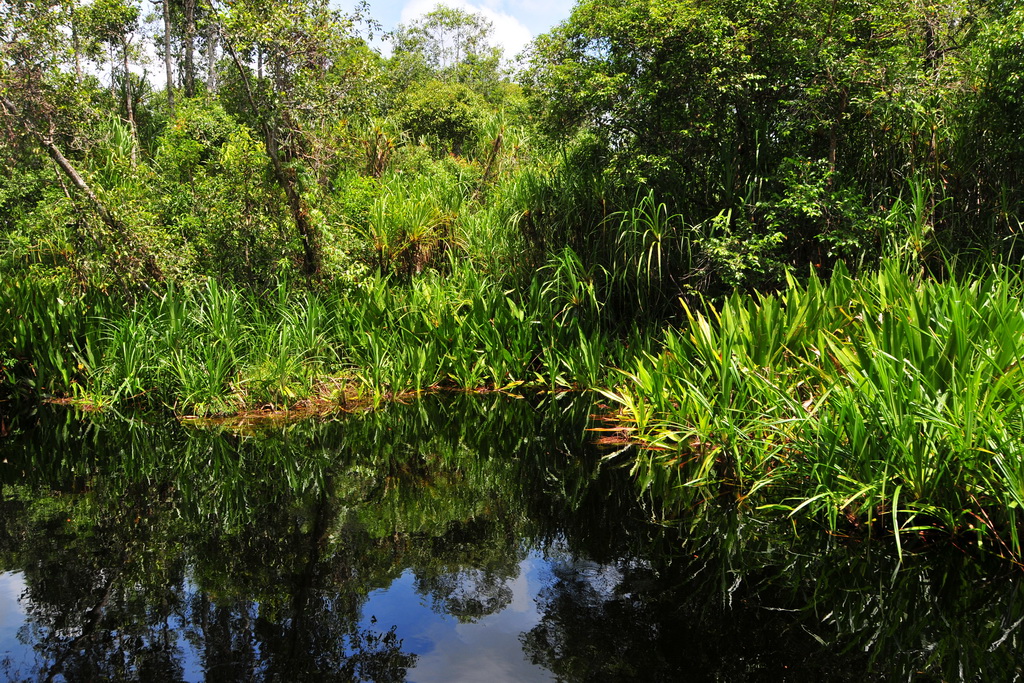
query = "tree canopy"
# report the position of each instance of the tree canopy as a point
(776, 134)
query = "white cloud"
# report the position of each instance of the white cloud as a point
(509, 32)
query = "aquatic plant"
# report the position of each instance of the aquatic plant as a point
(888, 403)
(216, 349)
(885, 402)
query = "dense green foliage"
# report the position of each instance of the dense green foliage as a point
(294, 216)
(797, 133)
(888, 402)
(776, 135)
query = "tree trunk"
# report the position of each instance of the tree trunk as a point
(167, 56)
(300, 212)
(76, 45)
(211, 59)
(190, 46)
(129, 105)
(113, 81)
(286, 177)
(931, 42)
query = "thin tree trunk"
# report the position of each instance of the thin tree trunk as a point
(78, 55)
(113, 84)
(286, 177)
(931, 43)
(211, 59)
(167, 56)
(76, 44)
(190, 46)
(129, 105)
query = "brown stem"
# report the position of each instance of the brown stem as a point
(190, 40)
(167, 57)
(285, 176)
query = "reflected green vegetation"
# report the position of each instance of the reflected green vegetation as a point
(263, 548)
(151, 551)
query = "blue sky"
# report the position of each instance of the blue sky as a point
(516, 22)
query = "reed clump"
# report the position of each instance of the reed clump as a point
(891, 401)
(215, 350)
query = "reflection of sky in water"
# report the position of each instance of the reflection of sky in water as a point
(486, 650)
(16, 656)
(190, 660)
(11, 587)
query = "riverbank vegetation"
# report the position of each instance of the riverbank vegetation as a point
(889, 402)
(779, 239)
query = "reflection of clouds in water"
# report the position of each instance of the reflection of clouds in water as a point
(522, 596)
(488, 651)
(12, 585)
(16, 658)
(489, 648)
(602, 581)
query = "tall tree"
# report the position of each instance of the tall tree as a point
(189, 10)
(317, 73)
(452, 45)
(211, 56)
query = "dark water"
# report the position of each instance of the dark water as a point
(479, 539)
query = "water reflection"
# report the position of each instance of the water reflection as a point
(463, 539)
(451, 649)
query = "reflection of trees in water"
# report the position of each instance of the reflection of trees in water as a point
(100, 608)
(257, 553)
(143, 548)
(466, 573)
(467, 594)
(732, 605)
(633, 622)
(586, 634)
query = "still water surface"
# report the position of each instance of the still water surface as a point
(471, 539)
